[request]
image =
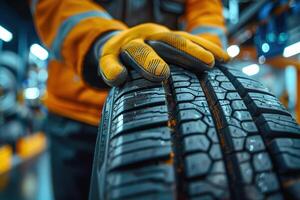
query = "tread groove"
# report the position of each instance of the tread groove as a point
(204, 172)
(266, 140)
(220, 89)
(218, 121)
(175, 138)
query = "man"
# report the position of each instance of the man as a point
(106, 37)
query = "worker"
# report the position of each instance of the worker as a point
(87, 38)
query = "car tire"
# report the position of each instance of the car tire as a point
(215, 135)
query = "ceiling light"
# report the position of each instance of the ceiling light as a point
(291, 50)
(38, 51)
(233, 50)
(5, 35)
(251, 70)
(31, 93)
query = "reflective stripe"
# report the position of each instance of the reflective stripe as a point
(68, 25)
(213, 30)
(33, 6)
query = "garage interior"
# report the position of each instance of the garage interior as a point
(263, 43)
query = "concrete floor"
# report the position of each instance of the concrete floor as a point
(29, 180)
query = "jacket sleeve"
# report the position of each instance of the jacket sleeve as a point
(205, 18)
(68, 28)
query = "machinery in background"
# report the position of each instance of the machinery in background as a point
(13, 117)
(265, 36)
(19, 138)
(270, 76)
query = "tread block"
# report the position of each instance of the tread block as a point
(227, 85)
(207, 190)
(246, 173)
(267, 182)
(156, 133)
(215, 152)
(286, 152)
(189, 114)
(140, 119)
(242, 115)
(162, 173)
(136, 86)
(262, 162)
(192, 91)
(142, 190)
(200, 106)
(137, 100)
(181, 84)
(264, 103)
(196, 143)
(197, 165)
(276, 125)
(250, 127)
(248, 85)
(138, 145)
(184, 97)
(193, 85)
(154, 154)
(238, 105)
(255, 144)
(193, 127)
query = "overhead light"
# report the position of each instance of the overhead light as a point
(291, 50)
(5, 35)
(265, 47)
(38, 51)
(233, 50)
(251, 70)
(31, 93)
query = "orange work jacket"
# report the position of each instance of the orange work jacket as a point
(69, 28)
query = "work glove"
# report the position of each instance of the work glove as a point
(149, 47)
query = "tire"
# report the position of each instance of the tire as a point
(218, 135)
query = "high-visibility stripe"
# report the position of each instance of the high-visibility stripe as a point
(33, 6)
(68, 25)
(212, 30)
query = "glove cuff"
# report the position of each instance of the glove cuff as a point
(90, 72)
(98, 45)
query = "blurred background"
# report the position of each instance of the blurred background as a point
(264, 40)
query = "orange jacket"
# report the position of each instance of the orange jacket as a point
(68, 28)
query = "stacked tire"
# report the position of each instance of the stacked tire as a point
(214, 135)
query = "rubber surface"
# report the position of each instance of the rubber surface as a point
(218, 135)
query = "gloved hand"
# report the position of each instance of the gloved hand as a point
(149, 47)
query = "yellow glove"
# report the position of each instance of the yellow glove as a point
(149, 47)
